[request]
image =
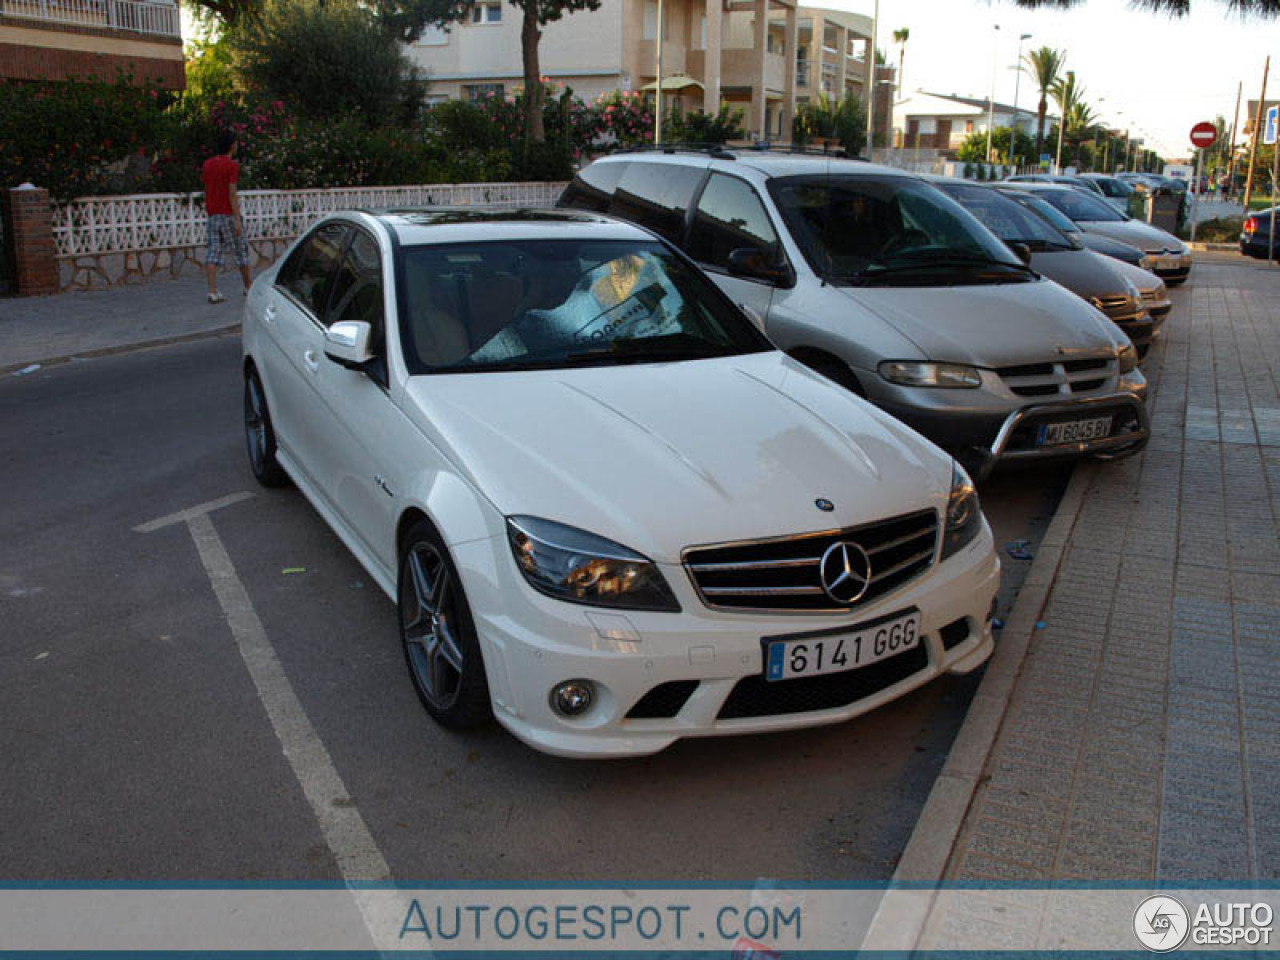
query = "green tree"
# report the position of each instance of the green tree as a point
(844, 121)
(326, 58)
(1043, 66)
(900, 37)
(974, 147)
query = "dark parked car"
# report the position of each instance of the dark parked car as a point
(1154, 292)
(1257, 235)
(1099, 280)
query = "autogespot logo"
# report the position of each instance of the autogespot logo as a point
(1161, 923)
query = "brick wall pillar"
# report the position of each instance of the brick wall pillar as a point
(33, 266)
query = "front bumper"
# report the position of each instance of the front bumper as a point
(1170, 267)
(981, 427)
(696, 669)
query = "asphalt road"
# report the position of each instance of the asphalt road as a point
(134, 744)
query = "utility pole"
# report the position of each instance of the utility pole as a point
(1231, 143)
(657, 96)
(1257, 132)
(991, 97)
(1062, 125)
(871, 81)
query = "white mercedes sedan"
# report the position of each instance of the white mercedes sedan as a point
(609, 512)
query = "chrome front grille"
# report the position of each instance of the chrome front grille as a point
(1058, 379)
(782, 574)
(1114, 306)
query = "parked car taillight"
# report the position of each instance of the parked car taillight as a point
(1251, 225)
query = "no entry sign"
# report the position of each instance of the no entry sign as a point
(1204, 135)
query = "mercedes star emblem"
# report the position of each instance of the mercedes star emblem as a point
(846, 572)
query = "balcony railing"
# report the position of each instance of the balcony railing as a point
(159, 18)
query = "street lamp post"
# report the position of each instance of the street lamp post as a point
(871, 82)
(1017, 87)
(991, 97)
(657, 94)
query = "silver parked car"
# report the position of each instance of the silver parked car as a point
(883, 283)
(1103, 282)
(1170, 258)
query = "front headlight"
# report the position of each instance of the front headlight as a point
(911, 373)
(571, 564)
(964, 514)
(1144, 262)
(1127, 358)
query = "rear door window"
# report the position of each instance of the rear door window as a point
(729, 216)
(657, 196)
(592, 189)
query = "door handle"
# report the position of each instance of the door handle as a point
(312, 360)
(269, 314)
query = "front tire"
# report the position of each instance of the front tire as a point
(438, 634)
(259, 435)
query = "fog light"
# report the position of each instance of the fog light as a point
(572, 698)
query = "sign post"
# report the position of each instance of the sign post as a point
(1203, 136)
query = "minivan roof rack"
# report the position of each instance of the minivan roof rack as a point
(722, 151)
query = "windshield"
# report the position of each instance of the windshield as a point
(1079, 205)
(1113, 188)
(1008, 220)
(1052, 214)
(537, 304)
(860, 229)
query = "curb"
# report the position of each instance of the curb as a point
(122, 348)
(1213, 247)
(900, 921)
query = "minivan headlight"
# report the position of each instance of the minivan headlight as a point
(964, 513)
(1127, 358)
(912, 373)
(571, 564)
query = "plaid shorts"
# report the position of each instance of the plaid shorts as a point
(222, 237)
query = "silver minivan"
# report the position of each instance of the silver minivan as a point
(880, 281)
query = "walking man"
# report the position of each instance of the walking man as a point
(222, 204)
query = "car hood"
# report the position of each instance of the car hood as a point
(992, 326)
(1144, 280)
(1124, 252)
(1082, 272)
(1135, 233)
(659, 457)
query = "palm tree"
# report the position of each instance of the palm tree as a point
(1069, 96)
(900, 37)
(1043, 66)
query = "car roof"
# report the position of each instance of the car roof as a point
(770, 164)
(433, 225)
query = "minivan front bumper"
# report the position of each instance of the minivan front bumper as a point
(983, 430)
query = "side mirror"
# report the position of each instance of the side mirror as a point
(754, 264)
(1022, 251)
(347, 344)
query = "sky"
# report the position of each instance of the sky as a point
(1139, 70)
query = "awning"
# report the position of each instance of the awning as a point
(673, 84)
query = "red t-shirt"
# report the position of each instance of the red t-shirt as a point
(218, 173)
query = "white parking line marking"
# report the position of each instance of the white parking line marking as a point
(182, 516)
(344, 829)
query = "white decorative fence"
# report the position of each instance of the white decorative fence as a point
(101, 241)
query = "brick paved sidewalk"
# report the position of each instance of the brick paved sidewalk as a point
(40, 329)
(1142, 741)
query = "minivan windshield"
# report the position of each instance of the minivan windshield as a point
(1050, 213)
(1007, 219)
(538, 304)
(1079, 205)
(890, 231)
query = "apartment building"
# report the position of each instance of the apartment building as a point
(756, 55)
(59, 39)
